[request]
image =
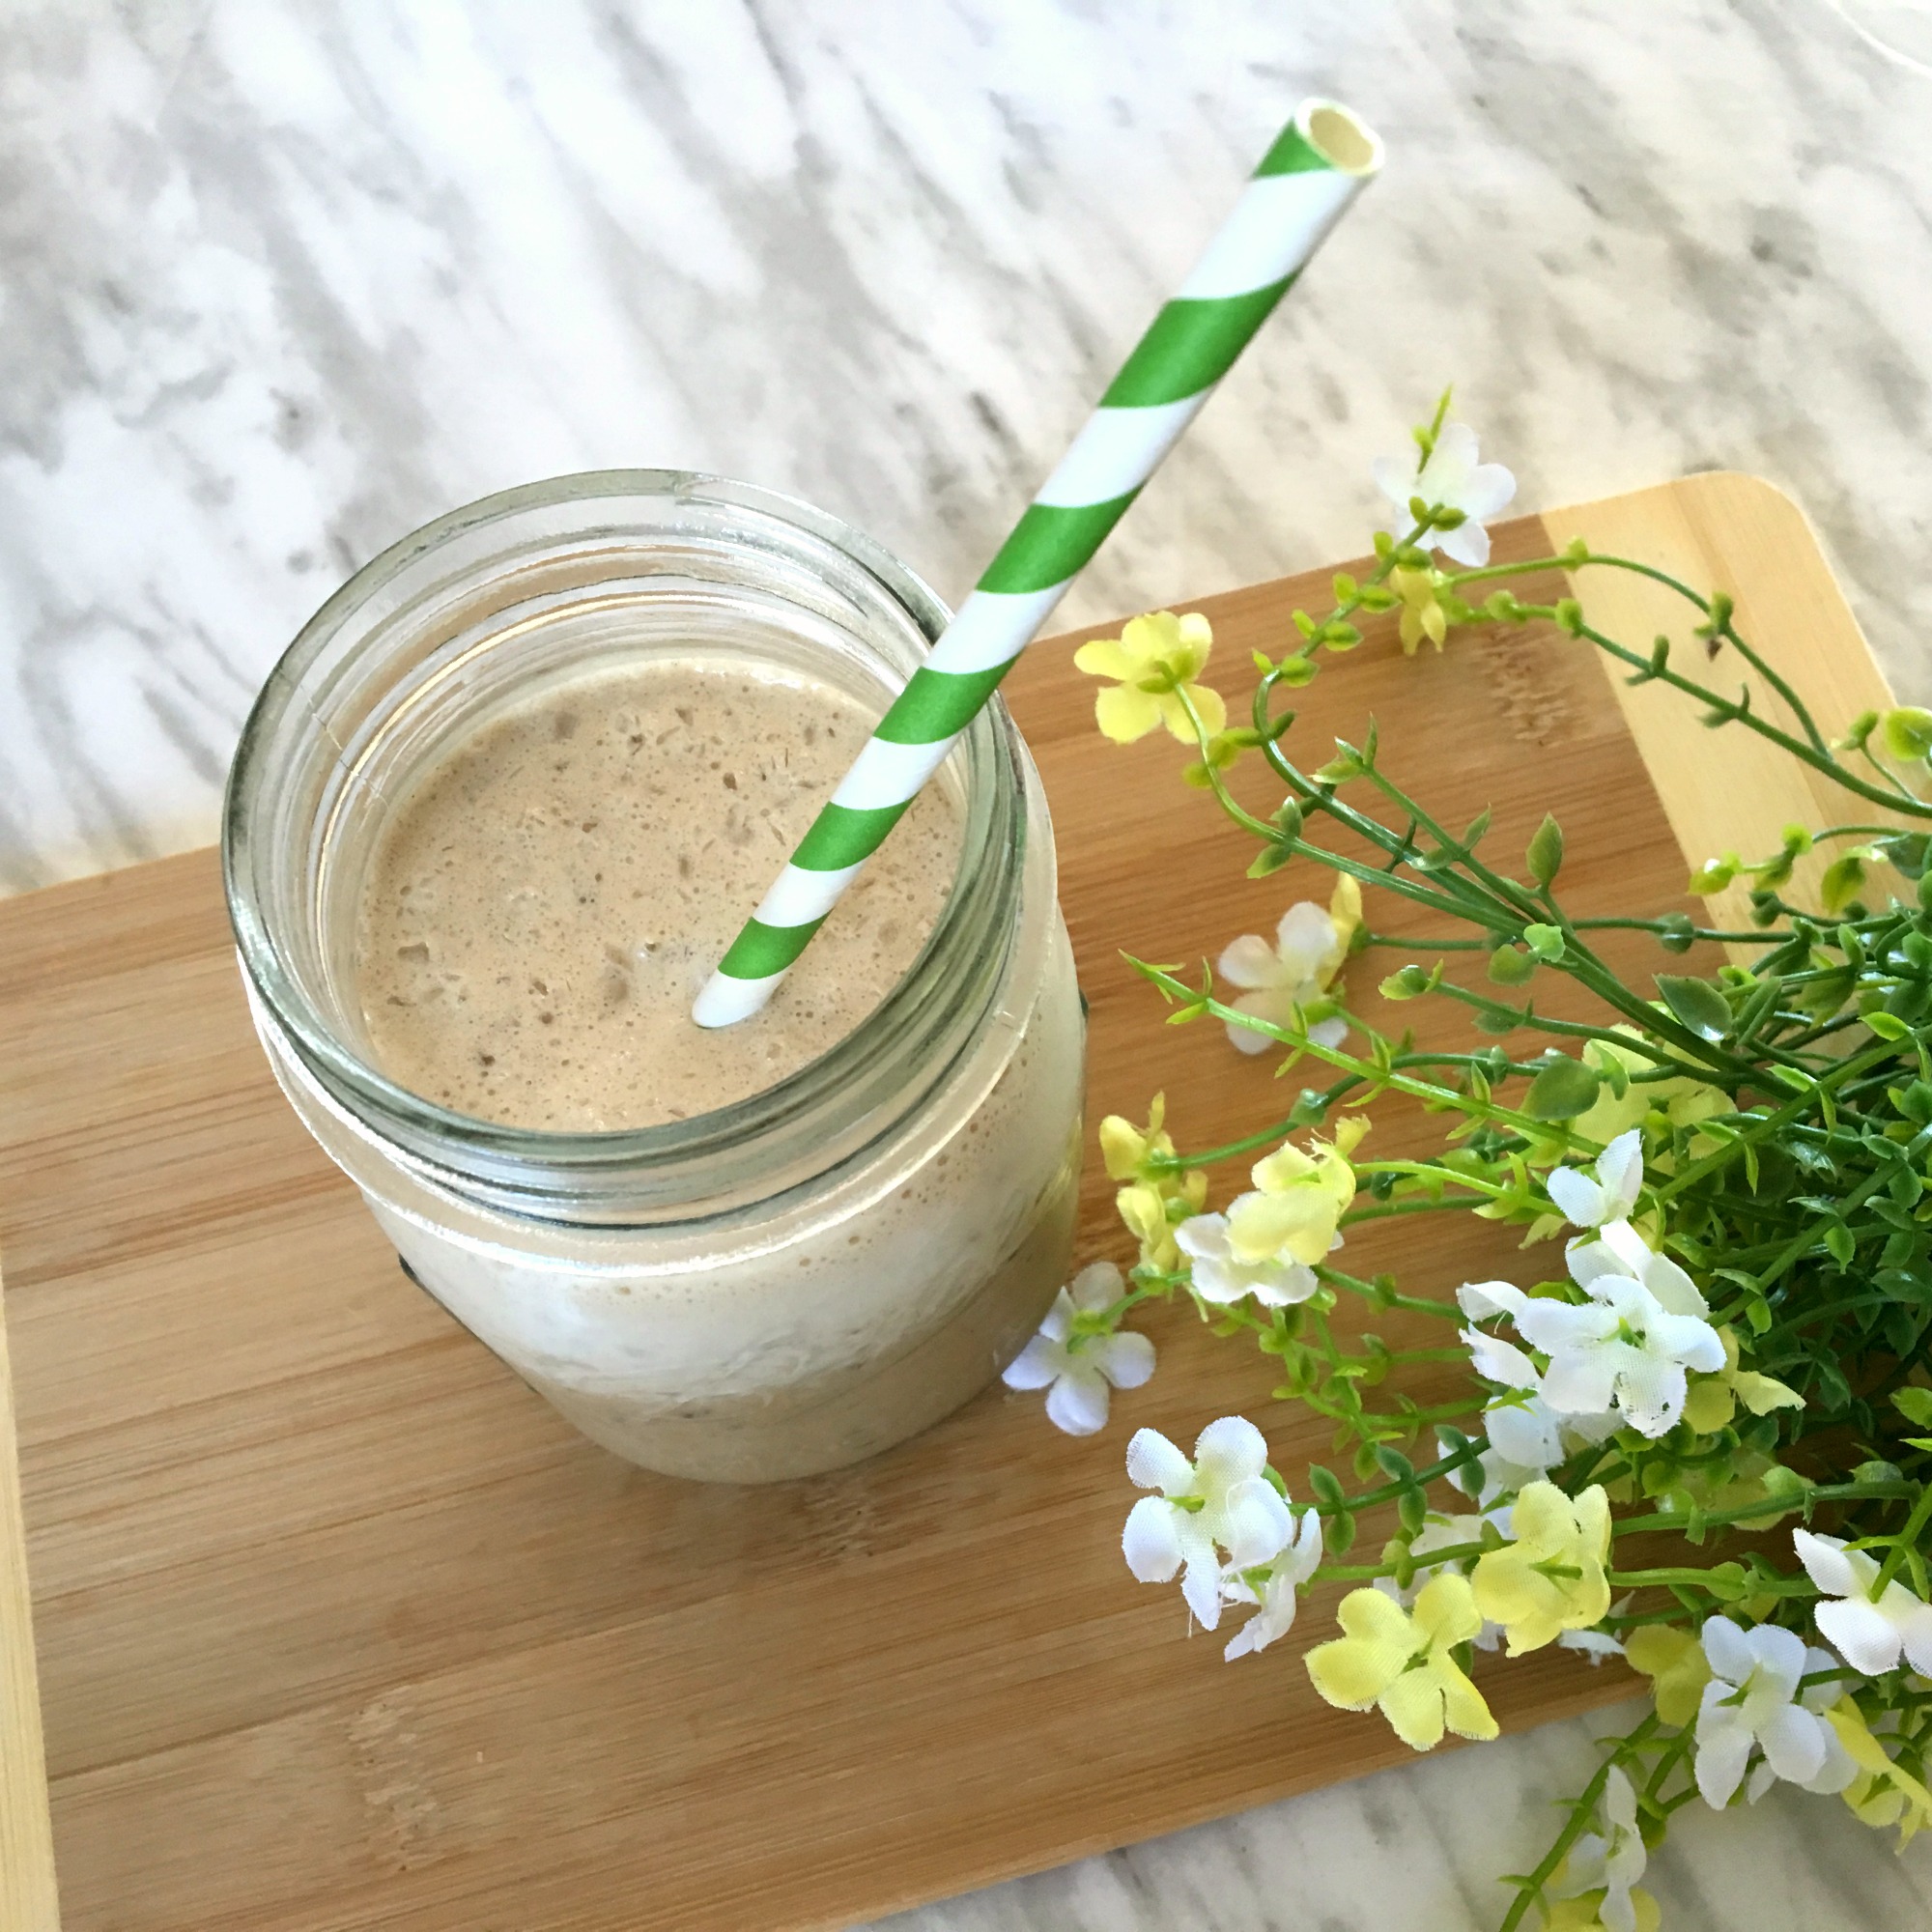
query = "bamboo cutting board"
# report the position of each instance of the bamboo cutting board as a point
(339, 1625)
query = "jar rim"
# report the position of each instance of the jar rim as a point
(918, 1025)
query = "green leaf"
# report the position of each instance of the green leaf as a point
(1887, 1026)
(1326, 1486)
(1269, 859)
(1412, 1511)
(1395, 1465)
(1340, 1533)
(1840, 886)
(1563, 1090)
(1840, 1245)
(1545, 856)
(1697, 1004)
(1914, 1405)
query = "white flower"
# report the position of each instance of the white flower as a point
(1608, 1190)
(1626, 1349)
(1870, 1635)
(1220, 1277)
(1610, 1861)
(1296, 970)
(1299, 1560)
(1218, 1500)
(1751, 1703)
(1454, 478)
(1076, 1370)
(1619, 1250)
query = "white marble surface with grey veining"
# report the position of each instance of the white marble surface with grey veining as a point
(283, 278)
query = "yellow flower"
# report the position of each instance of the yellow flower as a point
(1713, 1398)
(1422, 612)
(1155, 659)
(1151, 1216)
(1155, 1199)
(1881, 1794)
(1552, 1578)
(1299, 1200)
(1127, 1149)
(1402, 1661)
(1674, 1661)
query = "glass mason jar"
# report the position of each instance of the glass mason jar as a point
(791, 1282)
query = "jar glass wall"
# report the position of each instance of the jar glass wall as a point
(779, 1286)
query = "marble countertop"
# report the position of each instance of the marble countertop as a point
(284, 278)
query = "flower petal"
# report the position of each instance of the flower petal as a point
(1201, 1586)
(1498, 1361)
(1620, 1173)
(1580, 1380)
(1109, 657)
(1861, 1634)
(1271, 1006)
(1153, 1462)
(1828, 1563)
(1037, 1364)
(1792, 1742)
(1727, 1650)
(1077, 1403)
(1150, 1542)
(1303, 941)
(1250, 962)
(1227, 1451)
(1720, 1761)
(1252, 1522)
(1413, 1706)
(1577, 1198)
(1126, 1358)
(1126, 714)
(1097, 1285)
(1468, 1715)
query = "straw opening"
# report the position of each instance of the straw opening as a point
(1349, 146)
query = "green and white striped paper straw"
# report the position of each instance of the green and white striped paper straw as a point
(1322, 160)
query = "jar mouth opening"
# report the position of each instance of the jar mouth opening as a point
(299, 750)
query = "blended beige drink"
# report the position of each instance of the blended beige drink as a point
(499, 812)
(544, 907)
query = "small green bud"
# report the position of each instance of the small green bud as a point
(1576, 554)
(1858, 731)
(1545, 856)
(1509, 967)
(1907, 731)
(1296, 671)
(1570, 616)
(1406, 983)
(1714, 876)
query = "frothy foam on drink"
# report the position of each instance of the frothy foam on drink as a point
(544, 906)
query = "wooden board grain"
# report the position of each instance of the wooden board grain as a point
(339, 1625)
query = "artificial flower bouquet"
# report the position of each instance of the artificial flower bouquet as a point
(1696, 1430)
